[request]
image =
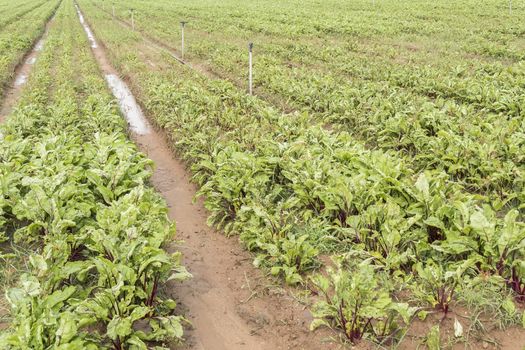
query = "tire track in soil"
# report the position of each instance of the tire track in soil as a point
(230, 303)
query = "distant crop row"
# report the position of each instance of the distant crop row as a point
(293, 189)
(20, 27)
(15, 11)
(447, 108)
(75, 189)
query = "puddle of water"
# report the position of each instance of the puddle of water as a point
(39, 45)
(128, 105)
(20, 80)
(88, 31)
(22, 74)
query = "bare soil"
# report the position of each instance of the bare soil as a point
(491, 338)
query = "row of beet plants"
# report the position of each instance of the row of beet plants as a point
(76, 189)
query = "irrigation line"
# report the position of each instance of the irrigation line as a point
(157, 44)
(149, 40)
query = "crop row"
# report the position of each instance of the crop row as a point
(18, 37)
(446, 27)
(412, 108)
(292, 189)
(15, 11)
(73, 186)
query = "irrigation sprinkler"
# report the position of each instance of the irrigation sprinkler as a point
(113, 10)
(510, 7)
(182, 24)
(132, 20)
(250, 64)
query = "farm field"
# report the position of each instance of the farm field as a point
(375, 178)
(399, 84)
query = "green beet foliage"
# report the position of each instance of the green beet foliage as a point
(73, 185)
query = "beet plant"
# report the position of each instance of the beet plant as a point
(353, 300)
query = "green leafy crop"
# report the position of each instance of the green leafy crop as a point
(353, 301)
(75, 188)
